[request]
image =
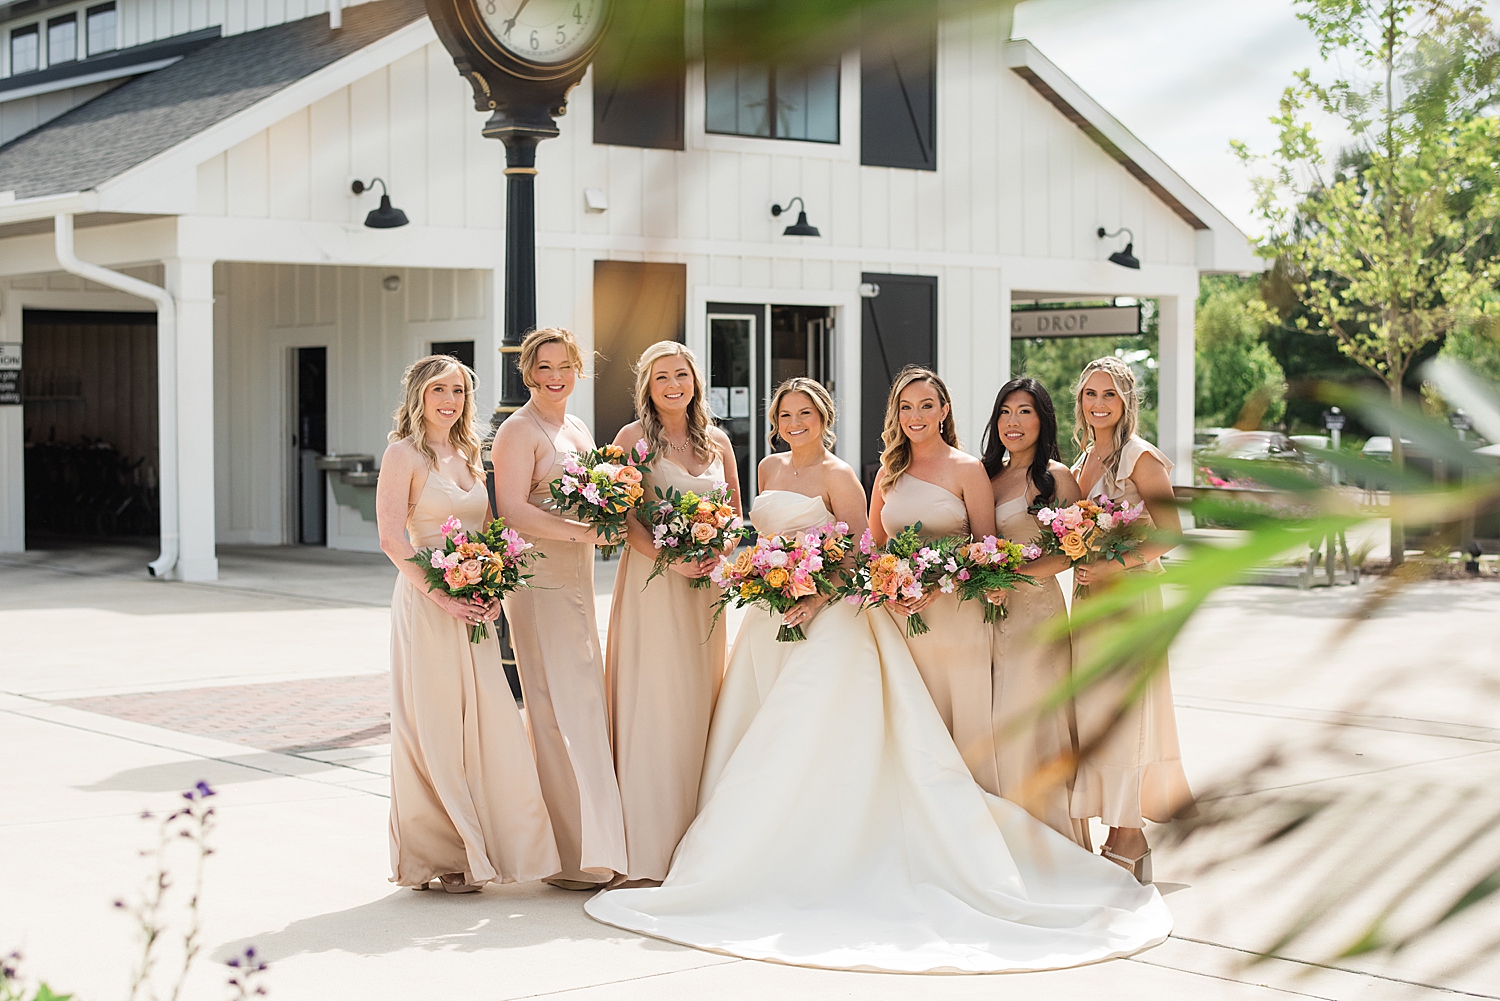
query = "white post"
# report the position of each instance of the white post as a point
(1002, 366)
(191, 283)
(1175, 385)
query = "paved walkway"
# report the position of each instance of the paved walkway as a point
(1345, 778)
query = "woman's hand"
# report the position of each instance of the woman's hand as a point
(465, 610)
(803, 611)
(911, 606)
(492, 609)
(997, 597)
(1090, 574)
(693, 569)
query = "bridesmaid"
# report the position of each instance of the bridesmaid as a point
(925, 477)
(664, 657)
(552, 624)
(1021, 458)
(466, 806)
(1131, 768)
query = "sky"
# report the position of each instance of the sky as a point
(1185, 76)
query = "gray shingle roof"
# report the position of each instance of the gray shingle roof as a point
(149, 115)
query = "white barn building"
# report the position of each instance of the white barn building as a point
(207, 147)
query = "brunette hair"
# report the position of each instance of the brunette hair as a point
(1046, 439)
(822, 402)
(1124, 379)
(536, 339)
(897, 454)
(697, 409)
(410, 423)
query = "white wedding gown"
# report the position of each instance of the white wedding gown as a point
(839, 828)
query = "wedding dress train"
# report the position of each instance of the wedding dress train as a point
(839, 827)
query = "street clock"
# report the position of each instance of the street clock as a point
(521, 56)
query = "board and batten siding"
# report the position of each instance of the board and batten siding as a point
(143, 21)
(264, 311)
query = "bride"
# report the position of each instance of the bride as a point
(838, 827)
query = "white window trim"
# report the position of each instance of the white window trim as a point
(846, 149)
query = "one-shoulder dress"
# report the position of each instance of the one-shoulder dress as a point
(464, 790)
(664, 659)
(1136, 773)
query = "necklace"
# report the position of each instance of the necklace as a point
(676, 447)
(798, 472)
(543, 421)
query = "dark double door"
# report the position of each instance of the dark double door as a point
(898, 328)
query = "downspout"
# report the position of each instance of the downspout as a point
(335, 14)
(166, 379)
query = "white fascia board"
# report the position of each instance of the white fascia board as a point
(287, 241)
(1220, 244)
(47, 206)
(159, 178)
(83, 81)
(118, 245)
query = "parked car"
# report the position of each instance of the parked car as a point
(1254, 446)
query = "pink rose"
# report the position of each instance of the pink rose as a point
(471, 570)
(703, 532)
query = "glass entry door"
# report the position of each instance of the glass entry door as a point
(751, 350)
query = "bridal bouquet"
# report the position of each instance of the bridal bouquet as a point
(905, 567)
(600, 486)
(484, 565)
(990, 564)
(689, 526)
(1091, 531)
(779, 569)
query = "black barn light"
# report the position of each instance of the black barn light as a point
(386, 216)
(1124, 258)
(801, 227)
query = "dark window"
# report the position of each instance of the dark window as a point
(462, 350)
(767, 100)
(62, 39)
(899, 328)
(639, 74)
(101, 28)
(898, 100)
(25, 49)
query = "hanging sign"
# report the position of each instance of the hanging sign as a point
(10, 374)
(1087, 321)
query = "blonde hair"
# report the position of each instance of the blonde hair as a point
(822, 402)
(1123, 376)
(541, 337)
(697, 408)
(897, 454)
(411, 425)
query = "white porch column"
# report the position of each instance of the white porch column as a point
(191, 283)
(1175, 389)
(1002, 346)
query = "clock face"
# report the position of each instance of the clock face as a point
(543, 31)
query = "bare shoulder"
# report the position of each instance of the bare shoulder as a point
(630, 434)
(966, 462)
(720, 439)
(401, 456)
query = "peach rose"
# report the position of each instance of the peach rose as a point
(1074, 546)
(703, 532)
(613, 451)
(742, 563)
(776, 577)
(454, 577)
(802, 587)
(472, 570)
(628, 474)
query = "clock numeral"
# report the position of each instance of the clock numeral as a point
(535, 42)
(489, 6)
(578, 13)
(562, 36)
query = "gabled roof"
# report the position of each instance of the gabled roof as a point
(141, 119)
(1221, 245)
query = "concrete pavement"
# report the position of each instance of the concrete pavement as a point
(1344, 779)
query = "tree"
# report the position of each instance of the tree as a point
(1391, 247)
(1238, 380)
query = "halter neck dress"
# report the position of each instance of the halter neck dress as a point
(464, 790)
(1136, 774)
(664, 659)
(954, 655)
(556, 639)
(1026, 669)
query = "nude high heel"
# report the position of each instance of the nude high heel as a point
(1139, 867)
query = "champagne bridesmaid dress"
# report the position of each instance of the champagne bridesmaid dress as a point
(954, 656)
(1026, 670)
(1136, 773)
(664, 660)
(556, 639)
(464, 790)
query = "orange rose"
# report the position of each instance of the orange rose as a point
(776, 577)
(634, 492)
(613, 451)
(742, 563)
(627, 474)
(1074, 546)
(703, 532)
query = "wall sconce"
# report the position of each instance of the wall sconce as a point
(801, 226)
(384, 217)
(1124, 258)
